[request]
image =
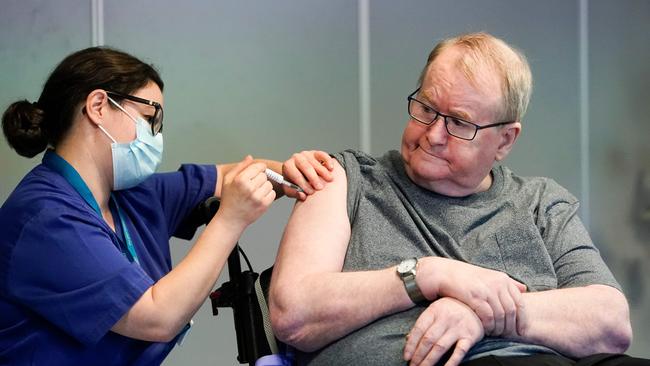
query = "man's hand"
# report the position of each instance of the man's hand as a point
(492, 295)
(445, 323)
(309, 170)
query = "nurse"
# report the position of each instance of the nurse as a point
(85, 265)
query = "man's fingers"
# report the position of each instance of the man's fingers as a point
(428, 339)
(520, 286)
(507, 323)
(308, 171)
(485, 313)
(462, 347)
(291, 169)
(326, 161)
(511, 317)
(522, 318)
(436, 350)
(323, 172)
(419, 328)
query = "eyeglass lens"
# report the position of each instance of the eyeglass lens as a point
(427, 115)
(156, 121)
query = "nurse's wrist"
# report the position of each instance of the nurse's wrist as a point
(228, 222)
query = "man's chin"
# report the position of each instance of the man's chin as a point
(425, 162)
(427, 157)
(425, 176)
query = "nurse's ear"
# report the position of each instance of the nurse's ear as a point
(97, 106)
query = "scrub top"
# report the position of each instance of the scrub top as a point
(64, 277)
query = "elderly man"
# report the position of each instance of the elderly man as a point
(437, 253)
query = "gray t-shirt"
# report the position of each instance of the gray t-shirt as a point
(525, 227)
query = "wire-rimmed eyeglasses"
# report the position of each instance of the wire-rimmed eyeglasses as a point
(455, 126)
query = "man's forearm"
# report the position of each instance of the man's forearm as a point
(576, 321)
(321, 308)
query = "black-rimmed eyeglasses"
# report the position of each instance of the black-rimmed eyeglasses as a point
(155, 120)
(455, 126)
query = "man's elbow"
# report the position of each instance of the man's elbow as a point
(618, 337)
(290, 327)
(623, 340)
(617, 332)
(286, 325)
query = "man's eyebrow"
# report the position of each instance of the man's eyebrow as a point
(460, 114)
(425, 97)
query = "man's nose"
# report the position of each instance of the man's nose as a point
(437, 131)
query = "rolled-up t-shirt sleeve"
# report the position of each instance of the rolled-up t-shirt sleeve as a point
(77, 279)
(349, 161)
(576, 259)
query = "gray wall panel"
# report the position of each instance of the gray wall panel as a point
(34, 37)
(620, 154)
(266, 78)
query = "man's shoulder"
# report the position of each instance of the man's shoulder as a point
(350, 159)
(540, 187)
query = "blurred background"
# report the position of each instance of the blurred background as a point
(269, 78)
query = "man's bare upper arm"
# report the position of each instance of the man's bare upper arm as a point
(317, 234)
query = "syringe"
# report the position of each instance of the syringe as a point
(278, 178)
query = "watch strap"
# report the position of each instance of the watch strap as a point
(413, 290)
(407, 271)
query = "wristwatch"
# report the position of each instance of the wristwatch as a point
(406, 271)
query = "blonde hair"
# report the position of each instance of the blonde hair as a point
(483, 50)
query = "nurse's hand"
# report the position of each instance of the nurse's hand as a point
(310, 170)
(246, 193)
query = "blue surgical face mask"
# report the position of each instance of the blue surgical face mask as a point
(135, 161)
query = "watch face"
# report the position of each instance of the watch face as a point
(407, 265)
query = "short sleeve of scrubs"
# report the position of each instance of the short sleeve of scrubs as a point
(181, 191)
(66, 269)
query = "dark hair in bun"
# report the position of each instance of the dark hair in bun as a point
(30, 127)
(21, 124)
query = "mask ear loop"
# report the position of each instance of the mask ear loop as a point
(123, 110)
(107, 134)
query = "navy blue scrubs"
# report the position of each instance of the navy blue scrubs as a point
(64, 277)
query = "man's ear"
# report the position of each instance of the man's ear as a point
(97, 106)
(509, 135)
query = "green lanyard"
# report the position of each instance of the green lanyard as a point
(53, 161)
